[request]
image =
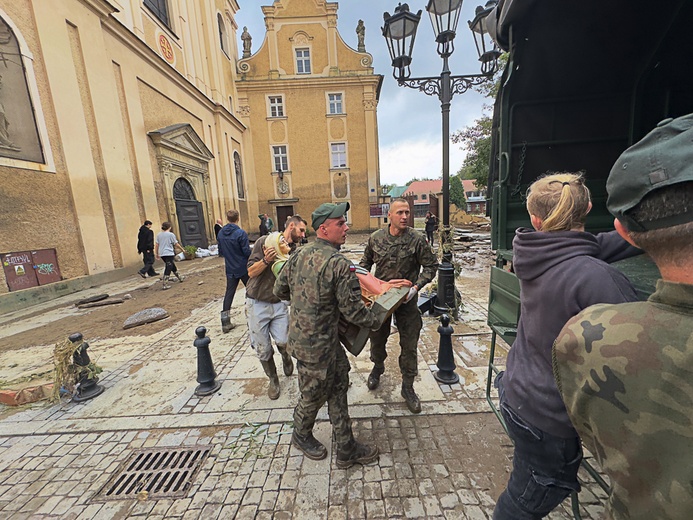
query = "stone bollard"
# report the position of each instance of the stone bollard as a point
(446, 362)
(86, 384)
(206, 375)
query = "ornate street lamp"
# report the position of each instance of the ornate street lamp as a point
(399, 31)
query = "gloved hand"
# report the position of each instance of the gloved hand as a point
(411, 294)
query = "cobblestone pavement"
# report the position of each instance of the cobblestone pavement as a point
(452, 461)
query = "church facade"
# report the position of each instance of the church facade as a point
(117, 111)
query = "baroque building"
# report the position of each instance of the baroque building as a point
(117, 111)
(310, 101)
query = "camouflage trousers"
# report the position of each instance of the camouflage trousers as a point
(320, 385)
(409, 324)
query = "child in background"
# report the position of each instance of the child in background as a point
(562, 270)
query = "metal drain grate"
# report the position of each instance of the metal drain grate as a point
(162, 473)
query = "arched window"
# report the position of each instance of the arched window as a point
(19, 133)
(223, 38)
(182, 190)
(239, 175)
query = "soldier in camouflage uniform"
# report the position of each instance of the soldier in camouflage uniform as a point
(624, 371)
(320, 283)
(399, 251)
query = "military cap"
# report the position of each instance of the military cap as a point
(328, 210)
(662, 158)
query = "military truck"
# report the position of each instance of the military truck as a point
(584, 81)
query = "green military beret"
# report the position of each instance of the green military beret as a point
(661, 158)
(328, 210)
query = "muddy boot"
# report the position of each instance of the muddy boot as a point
(310, 446)
(271, 371)
(374, 377)
(411, 398)
(287, 362)
(165, 281)
(180, 278)
(356, 453)
(226, 324)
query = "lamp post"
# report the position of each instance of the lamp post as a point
(399, 31)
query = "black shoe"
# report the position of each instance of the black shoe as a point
(310, 446)
(374, 378)
(141, 274)
(153, 273)
(356, 453)
(410, 397)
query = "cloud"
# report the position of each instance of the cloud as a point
(402, 161)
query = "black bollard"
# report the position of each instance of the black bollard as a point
(446, 362)
(86, 383)
(205, 368)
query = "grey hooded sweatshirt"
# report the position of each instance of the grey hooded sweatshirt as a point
(560, 273)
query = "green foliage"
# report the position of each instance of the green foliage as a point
(190, 250)
(476, 139)
(457, 192)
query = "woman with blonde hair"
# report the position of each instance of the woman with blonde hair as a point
(562, 270)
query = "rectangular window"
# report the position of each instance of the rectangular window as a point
(281, 159)
(276, 106)
(424, 197)
(335, 101)
(416, 197)
(303, 61)
(338, 152)
(159, 8)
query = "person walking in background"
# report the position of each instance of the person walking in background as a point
(165, 248)
(321, 283)
(268, 316)
(263, 224)
(234, 248)
(431, 226)
(145, 245)
(399, 251)
(217, 227)
(269, 222)
(624, 371)
(562, 269)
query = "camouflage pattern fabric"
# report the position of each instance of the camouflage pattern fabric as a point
(321, 283)
(318, 386)
(409, 324)
(626, 376)
(400, 256)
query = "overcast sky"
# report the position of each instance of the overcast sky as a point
(409, 121)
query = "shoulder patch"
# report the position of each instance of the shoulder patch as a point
(352, 268)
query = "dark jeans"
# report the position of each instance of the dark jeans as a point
(231, 286)
(148, 260)
(544, 468)
(170, 265)
(429, 236)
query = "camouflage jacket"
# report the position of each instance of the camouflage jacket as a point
(400, 256)
(624, 372)
(321, 283)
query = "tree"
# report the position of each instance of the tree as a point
(457, 192)
(476, 139)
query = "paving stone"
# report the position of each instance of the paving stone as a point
(372, 491)
(393, 507)
(413, 508)
(336, 513)
(145, 316)
(356, 509)
(375, 509)
(269, 499)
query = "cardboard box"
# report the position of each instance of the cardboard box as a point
(354, 337)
